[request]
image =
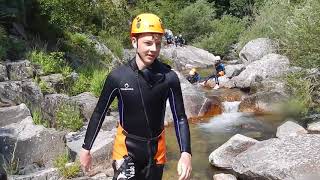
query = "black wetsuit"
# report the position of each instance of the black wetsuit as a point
(142, 96)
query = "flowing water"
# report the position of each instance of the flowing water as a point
(206, 137)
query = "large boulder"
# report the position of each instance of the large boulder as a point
(291, 157)
(234, 70)
(19, 70)
(256, 49)
(266, 96)
(30, 143)
(46, 174)
(193, 99)
(223, 176)
(54, 82)
(3, 73)
(50, 106)
(87, 102)
(101, 149)
(271, 65)
(189, 57)
(17, 92)
(13, 114)
(224, 156)
(290, 128)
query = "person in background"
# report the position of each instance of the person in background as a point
(193, 76)
(218, 71)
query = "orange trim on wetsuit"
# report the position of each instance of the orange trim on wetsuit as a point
(120, 149)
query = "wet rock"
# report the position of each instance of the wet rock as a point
(19, 70)
(31, 143)
(290, 128)
(101, 149)
(3, 73)
(13, 114)
(223, 176)
(87, 102)
(269, 66)
(193, 99)
(291, 157)
(256, 49)
(225, 154)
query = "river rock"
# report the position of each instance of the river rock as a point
(234, 70)
(13, 114)
(291, 157)
(19, 70)
(223, 176)
(31, 143)
(193, 99)
(87, 102)
(224, 156)
(189, 56)
(3, 73)
(47, 174)
(270, 65)
(101, 149)
(290, 128)
(256, 49)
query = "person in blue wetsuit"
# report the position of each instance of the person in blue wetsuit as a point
(218, 71)
(142, 87)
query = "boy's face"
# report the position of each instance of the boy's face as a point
(148, 46)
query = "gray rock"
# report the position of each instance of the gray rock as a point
(47, 174)
(13, 114)
(31, 143)
(314, 127)
(233, 70)
(50, 106)
(193, 56)
(19, 70)
(87, 102)
(256, 49)
(286, 158)
(17, 92)
(271, 65)
(53, 81)
(290, 128)
(3, 73)
(193, 99)
(101, 149)
(225, 154)
(223, 176)
(110, 122)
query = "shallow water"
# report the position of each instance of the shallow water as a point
(206, 137)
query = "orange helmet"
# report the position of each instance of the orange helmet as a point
(146, 23)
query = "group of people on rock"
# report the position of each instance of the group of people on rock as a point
(219, 70)
(174, 40)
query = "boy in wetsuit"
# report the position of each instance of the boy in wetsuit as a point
(142, 87)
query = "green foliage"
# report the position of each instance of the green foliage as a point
(97, 81)
(69, 171)
(301, 41)
(195, 20)
(50, 62)
(68, 117)
(301, 89)
(68, 15)
(226, 32)
(38, 118)
(113, 43)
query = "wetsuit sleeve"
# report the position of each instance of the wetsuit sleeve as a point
(108, 94)
(179, 116)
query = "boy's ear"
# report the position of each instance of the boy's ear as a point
(134, 42)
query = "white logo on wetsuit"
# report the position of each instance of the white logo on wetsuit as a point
(126, 87)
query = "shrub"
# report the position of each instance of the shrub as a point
(50, 63)
(68, 117)
(113, 43)
(195, 20)
(225, 32)
(3, 43)
(97, 81)
(38, 118)
(69, 171)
